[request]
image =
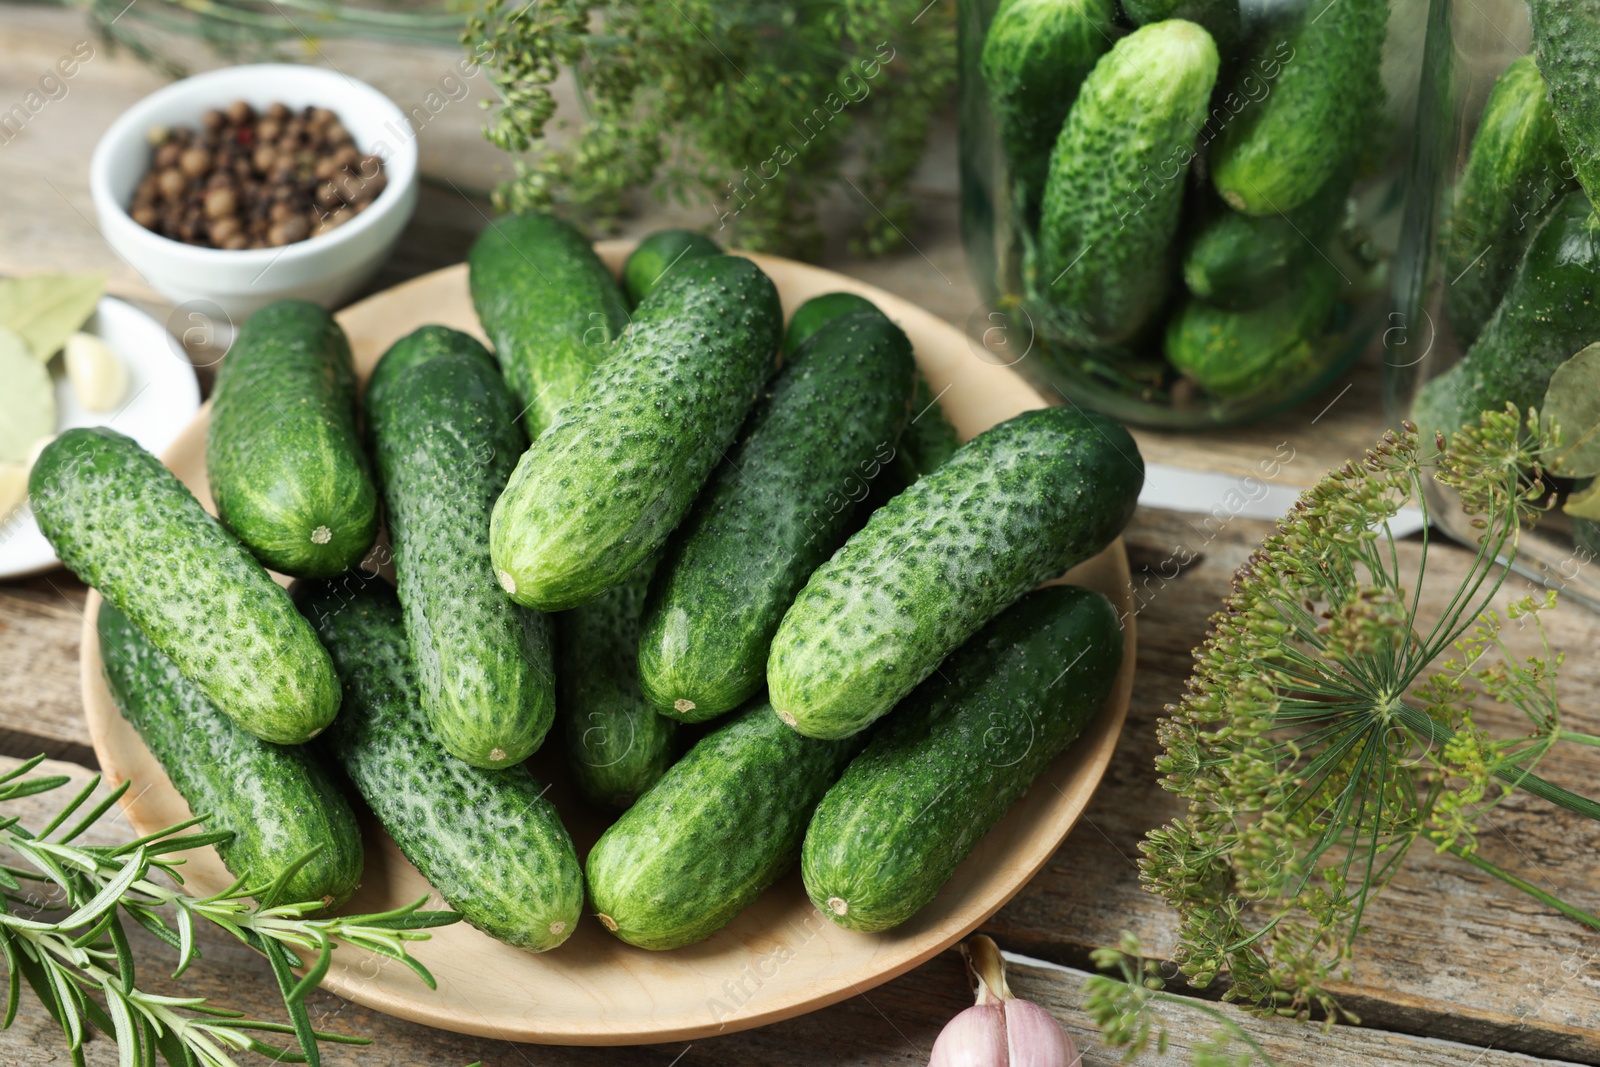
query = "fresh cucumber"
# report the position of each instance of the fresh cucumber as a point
(598, 494)
(412, 350)
(957, 754)
(657, 254)
(123, 523)
(446, 437)
(1036, 53)
(616, 744)
(773, 511)
(1550, 312)
(1235, 353)
(1018, 504)
(1239, 262)
(1566, 38)
(1516, 171)
(278, 801)
(817, 312)
(1277, 152)
(714, 832)
(550, 308)
(1117, 177)
(487, 840)
(1219, 17)
(928, 439)
(287, 470)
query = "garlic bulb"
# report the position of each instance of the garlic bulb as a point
(98, 377)
(1000, 1030)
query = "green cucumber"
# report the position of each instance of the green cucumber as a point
(957, 754)
(928, 439)
(1117, 177)
(285, 461)
(1236, 353)
(617, 746)
(487, 840)
(415, 348)
(657, 254)
(1219, 17)
(550, 308)
(1328, 93)
(1550, 312)
(278, 801)
(1516, 171)
(1036, 53)
(817, 312)
(721, 826)
(446, 437)
(775, 510)
(1017, 505)
(1566, 38)
(124, 524)
(1240, 262)
(598, 494)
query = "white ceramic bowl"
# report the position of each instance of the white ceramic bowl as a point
(327, 268)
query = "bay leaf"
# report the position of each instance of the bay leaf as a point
(46, 309)
(1572, 402)
(28, 401)
(1584, 504)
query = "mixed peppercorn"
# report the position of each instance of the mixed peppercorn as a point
(249, 179)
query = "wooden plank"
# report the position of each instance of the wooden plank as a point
(40, 706)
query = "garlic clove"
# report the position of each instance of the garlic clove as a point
(13, 488)
(975, 1038)
(1035, 1039)
(99, 380)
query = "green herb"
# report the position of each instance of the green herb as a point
(1319, 740)
(81, 964)
(28, 403)
(1123, 1009)
(745, 109)
(1572, 414)
(46, 309)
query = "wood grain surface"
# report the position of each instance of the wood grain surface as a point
(1454, 970)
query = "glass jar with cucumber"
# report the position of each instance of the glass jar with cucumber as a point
(1186, 207)
(1497, 287)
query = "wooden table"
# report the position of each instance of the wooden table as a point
(1453, 970)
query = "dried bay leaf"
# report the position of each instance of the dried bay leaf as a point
(28, 401)
(46, 309)
(1572, 402)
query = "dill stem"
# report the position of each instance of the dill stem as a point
(1529, 888)
(1577, 738)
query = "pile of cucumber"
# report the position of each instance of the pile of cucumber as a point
(775, 611)
(1176, 175)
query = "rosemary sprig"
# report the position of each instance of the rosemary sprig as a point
(1322, 736)
(81, 965)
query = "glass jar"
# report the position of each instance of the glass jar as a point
(1169, 256)
(1468, 230)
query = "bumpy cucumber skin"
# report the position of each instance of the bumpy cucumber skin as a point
(124, 524)
(414, 349)
(1219, 17)
(278, 800)
(714, 832)
(288, 472)
(1240, 262)
(1017, 505)
(1549, 314)
(659, 253)
(446, 437)
(487, 840)
(957, 754)
(1108, 226)
(1276, 153)
(550, 308)
(616, 744)
(817, 312)
(1036, 53)
(928, 439)
(771, 514)
(1236, 353)
(1566, 38)
(1515, 172)
(600, 492)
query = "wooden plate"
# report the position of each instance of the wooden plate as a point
(779, 958)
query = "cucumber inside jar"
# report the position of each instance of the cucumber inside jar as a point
(1215, 159)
